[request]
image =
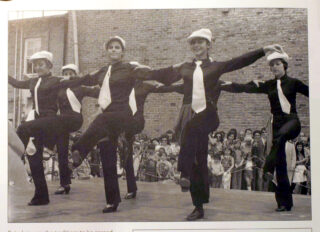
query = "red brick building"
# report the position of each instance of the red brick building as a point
(158, 38)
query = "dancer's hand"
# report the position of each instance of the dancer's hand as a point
(178, 65)
(139, 66)
(257, 82)
(64, 78)
(226, 83)
(273, 48)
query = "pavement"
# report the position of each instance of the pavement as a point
(156, 201)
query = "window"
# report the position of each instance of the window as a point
(32, 46)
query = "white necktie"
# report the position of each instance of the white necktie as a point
(73, 100)
(133, 102)
(105, 94)
(198, 93)
(285, 105)
(36, 95)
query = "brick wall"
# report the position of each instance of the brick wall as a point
(158, 38)
(51, 30)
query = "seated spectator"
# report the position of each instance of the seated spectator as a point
(174, 173)
(165, 143)
(83, 171)
(50, 164)
(227, 162)
(163, 166)
(94, 161)
(174, 146)
(150, 165)
(300, 174)
(216, 169)
(155, 141)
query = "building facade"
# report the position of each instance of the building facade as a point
(158, 38)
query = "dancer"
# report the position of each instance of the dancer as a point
(69, 120)
(141, 90)
(200, 110)
(45, 105)
(44, 91)
(281, 91)
(118, 103)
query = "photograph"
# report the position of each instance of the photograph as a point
(140, 106)
(159, 117)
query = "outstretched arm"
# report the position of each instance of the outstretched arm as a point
(165, 76)
(19, 84)
(302, 88)
(247, 58)
(87, 80)
(169, 89)
(250, 87)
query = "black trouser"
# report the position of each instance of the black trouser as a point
(285, 127)
(48, 131)
(63, 152)
(108, 153)
(135, 128)
(105, 124)
(67, 123)
(194, 151)
(37, 172)
(36, 128)
(199, 178)
(128, 167)
(109, 124)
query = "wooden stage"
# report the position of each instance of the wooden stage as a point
(155, 201)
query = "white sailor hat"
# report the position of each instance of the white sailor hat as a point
(72, 67)
(277, 55)
(117, 38)
(202, 33)
(42, 55)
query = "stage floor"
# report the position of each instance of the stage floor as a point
(155, 202)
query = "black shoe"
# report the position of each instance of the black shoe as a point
(185, 184)
(282, 209)
(130, 195)
(76, 158)
(196, 214)
(63, 189)
(110, 208)
(35, 202)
